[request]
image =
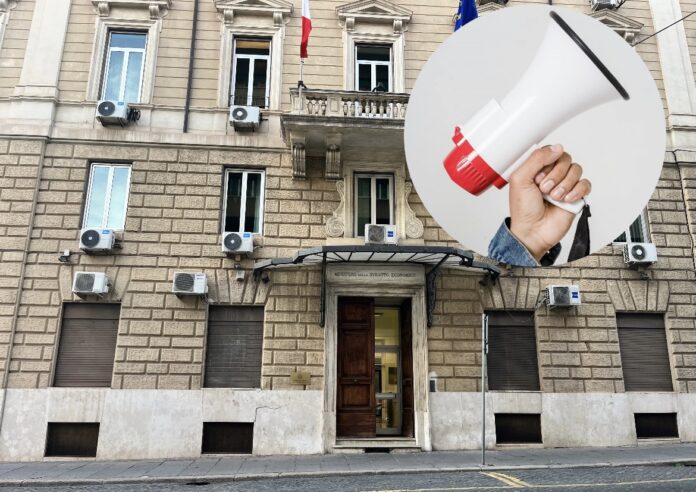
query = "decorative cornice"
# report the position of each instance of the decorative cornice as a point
(624, 26)
(156, 8)
(280, 10)
(375, 11)
(489, 7)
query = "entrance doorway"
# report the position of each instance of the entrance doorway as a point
(375, 368)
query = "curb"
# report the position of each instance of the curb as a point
(193, 480)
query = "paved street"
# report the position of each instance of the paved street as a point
(618, 479)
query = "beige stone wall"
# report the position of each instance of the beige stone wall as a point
(13, 46)
(688, 6)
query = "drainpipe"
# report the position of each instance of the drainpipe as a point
(192, 52)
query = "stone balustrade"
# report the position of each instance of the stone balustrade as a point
(349, 104)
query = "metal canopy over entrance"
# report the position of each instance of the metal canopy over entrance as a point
(436, 256)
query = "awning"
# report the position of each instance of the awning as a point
(436, 256)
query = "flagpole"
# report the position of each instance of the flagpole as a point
(301, 83)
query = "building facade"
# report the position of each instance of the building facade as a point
(313, 342)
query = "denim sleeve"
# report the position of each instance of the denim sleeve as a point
(506, 248)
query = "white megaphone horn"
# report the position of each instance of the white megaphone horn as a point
(565, 79)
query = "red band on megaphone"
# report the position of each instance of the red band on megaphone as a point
(474, 176)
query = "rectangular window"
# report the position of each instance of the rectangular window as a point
(87, 345)
(244, 192)
(123, 71)
(512, 351)
(644, 354)
(518, 428)
(234, 346)
(78, 440)
(228, 437)
(656, 425)
(251, 72)
(107, 196)
(636, 233)
(374, 200)
(373, 67)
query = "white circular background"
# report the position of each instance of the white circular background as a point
(620, 144)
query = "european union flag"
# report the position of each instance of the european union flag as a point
(466, 13)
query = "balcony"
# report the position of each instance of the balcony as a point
(331, 123)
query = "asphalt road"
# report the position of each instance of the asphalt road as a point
(645, 478)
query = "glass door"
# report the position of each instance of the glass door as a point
(388, 371)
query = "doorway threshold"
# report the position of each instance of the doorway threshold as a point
(360, 445)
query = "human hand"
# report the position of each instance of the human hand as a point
(538, 224)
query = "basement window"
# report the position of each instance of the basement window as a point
(518, 428)
(228, 438)
(76, 440)
(656, 425)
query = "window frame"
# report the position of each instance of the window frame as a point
(124, 68)
(242, 208)
(373, 64)
(252, 59)
(627, 232)
(107, 202)
(373, 198)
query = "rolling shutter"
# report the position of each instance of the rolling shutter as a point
(87, 345)
(512, 351)
(644, 355)
(233, 351)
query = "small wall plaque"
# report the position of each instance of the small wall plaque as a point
(299, 377)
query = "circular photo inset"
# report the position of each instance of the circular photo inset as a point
(535, 135)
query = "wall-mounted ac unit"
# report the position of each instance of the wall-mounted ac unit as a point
(604, 4)
(245, 117)
(380, 234)
(90, 283)
(190, 284)
(639, 253)
(94, 240)
(237, 242)
(562, 295)
(112, 113)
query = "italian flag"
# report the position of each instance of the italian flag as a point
(306, 28)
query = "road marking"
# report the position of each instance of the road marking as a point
(507, 479)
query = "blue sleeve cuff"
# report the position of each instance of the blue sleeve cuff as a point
(506, 248)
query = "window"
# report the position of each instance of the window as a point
(518, 428)
(656, 425)
(233, 349)
(123, 72)
(512, 352)
(244, 201)
(228, 437)
(72, 439)
(373, 71)
(251, 72)
(107, 196)
(374, 200)
(87, 345)
(636, 233)
(644, 354)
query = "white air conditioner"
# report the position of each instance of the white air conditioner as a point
(245, 117)
(190, 284)
(112, 113)
(562, 295)
(97, 240)
(639, 253)
(604, 4)
(380, 234)
(237, 242)
(90, 283)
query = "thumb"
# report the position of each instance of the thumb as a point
(537, 161)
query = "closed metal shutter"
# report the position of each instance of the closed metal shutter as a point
(87, 345)
(233, 351)
(644, 355)
(512, 351)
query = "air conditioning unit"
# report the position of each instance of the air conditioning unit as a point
(112, 113)
(604, 4)
(91, 283)
(639, 253)
(562, 295)
(380, 234)
(237, 242)
(245, 117)
(190, 284)
(97, 240)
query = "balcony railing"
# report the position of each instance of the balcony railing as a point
(349, 104)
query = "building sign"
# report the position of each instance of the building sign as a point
(369, 275)
(298, 377)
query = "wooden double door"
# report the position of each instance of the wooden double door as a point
(364, 410)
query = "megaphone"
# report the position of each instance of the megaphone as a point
(565, 79)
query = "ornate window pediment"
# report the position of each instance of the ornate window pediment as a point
(278, 9)
(624, 26)
(489, 7)
(157, 8)
(375, 11)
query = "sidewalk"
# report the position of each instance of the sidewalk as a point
(210, 469)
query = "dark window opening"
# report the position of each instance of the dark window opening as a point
(250, 83)
(656, 425)
(373, 67)
(228, 437)
(72, 439)
(518, 428)
(512, 351)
